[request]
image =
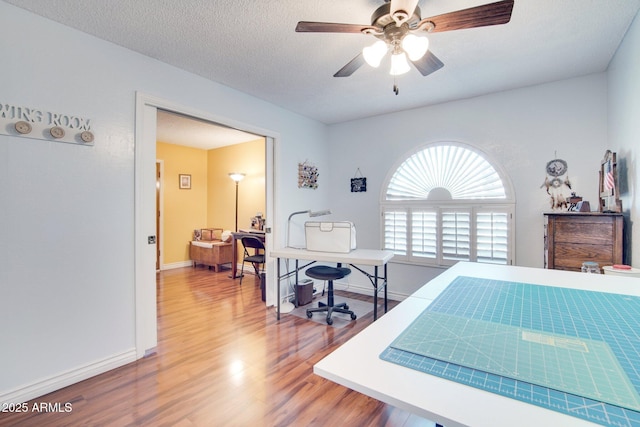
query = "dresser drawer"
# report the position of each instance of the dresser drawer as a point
(569, 256)
(588, 232)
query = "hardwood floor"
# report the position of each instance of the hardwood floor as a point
(222, 360)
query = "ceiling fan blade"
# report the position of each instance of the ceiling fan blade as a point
(479, 16)
(351, 66)
(329, 27)
(428, 64)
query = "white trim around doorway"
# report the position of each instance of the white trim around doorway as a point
(145, 250)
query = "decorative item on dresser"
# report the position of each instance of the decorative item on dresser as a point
(609, 198)
(571, 238)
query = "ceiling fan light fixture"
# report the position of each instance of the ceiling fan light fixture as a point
(373, 54)
(415, 46)
(401, 10)
(399, 64)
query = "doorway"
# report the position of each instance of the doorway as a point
(145, 209)
(206, 153)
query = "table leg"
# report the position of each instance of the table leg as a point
(386, 283)
(278, 286)
(295, 285)
(375, 293)
(234, 263)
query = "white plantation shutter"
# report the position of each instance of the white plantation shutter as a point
(492, 237)
(456, 236)
(395, 231)
(424, 238)
(447, 203)
(464, 173)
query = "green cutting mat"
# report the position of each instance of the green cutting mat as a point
(565, 329)
(536, 357)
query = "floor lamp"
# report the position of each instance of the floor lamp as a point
(237, 177)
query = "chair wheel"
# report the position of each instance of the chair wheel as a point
(346, 307)
(353, 316)
(309, 314)
(329, 321)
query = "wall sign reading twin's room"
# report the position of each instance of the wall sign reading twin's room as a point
(17, 120)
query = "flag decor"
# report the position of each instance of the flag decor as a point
(609, 182)
(609, 201)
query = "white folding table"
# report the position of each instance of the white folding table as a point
(357, 259)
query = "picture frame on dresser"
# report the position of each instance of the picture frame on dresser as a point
(608, 189)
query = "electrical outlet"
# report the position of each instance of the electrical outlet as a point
(151, 240)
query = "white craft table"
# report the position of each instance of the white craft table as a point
(357, 365)
(356, 258)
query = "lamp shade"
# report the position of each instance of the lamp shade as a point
(415, 46)
(399, 64)
(373, 54)
(236, 176)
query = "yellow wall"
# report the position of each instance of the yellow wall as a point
(248, 158)
(211, 200)
(183, 210)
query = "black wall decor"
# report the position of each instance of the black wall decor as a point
(358, 183)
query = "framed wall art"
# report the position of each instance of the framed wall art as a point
(307, 176)
(185, 181)
(358, 182)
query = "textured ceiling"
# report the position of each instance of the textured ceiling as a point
(251, 46)
(181, 130)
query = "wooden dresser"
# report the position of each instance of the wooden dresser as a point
(213, 253)
(571, 238)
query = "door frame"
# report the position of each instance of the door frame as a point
(145, 208)
(159, 214)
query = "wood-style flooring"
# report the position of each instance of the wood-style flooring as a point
(222, 360)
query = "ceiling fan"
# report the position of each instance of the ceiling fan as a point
(398, 26)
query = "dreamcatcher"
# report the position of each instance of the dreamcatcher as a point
(557, 182)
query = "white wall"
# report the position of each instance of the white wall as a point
(624, 131)
(520, 129)
(67, 211)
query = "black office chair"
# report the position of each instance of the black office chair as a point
(323, 272)
(257, 258)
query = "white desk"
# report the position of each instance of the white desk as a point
(357, 365)
(355, 258)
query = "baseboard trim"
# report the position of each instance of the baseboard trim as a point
(367, 290)
(64, 379)
(178, 264)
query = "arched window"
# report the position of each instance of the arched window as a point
(447, 203)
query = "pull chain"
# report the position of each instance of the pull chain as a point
(396, 89)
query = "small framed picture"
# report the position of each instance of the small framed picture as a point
(358, 185)
(185, 181)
